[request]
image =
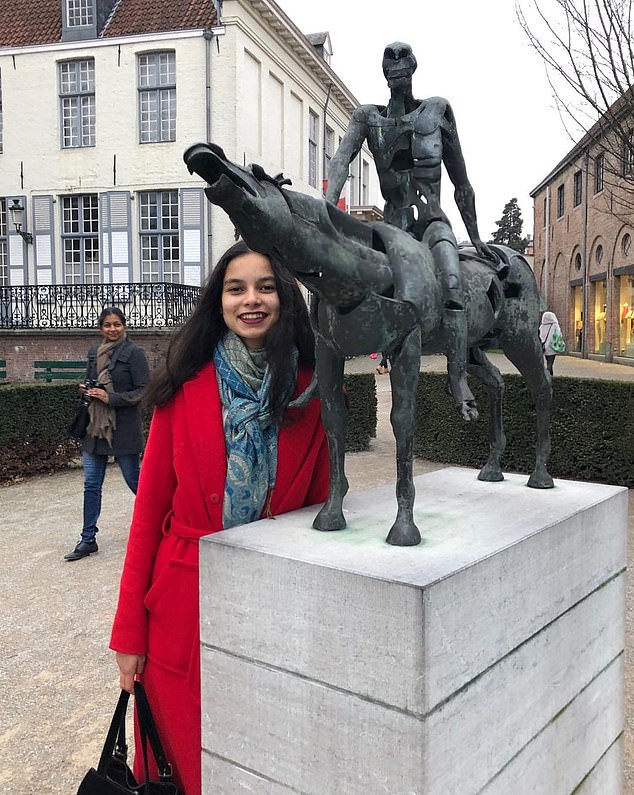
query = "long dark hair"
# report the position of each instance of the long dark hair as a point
(194, 343)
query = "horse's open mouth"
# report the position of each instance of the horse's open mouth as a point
(210, 162)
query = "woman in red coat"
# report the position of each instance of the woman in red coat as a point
(234, 438)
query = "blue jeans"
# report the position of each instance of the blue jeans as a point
(94, 474)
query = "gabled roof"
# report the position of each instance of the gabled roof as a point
(40, 21)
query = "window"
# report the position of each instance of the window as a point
(79, 13)
(598, 255)
(626, 244)
(600, 314)
(329, 150)
(625, 292)
(77, 98)
(577, 188)
(157, 97)
(80, 239)
(628, 154)
(158, 223)
(545, 212)
(4, 253)
(560, 201)
(365, 183)
(578, 262)
(313, 138)
(599, 168)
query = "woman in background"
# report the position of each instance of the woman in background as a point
(547, 329)
(234, 438)
(116, 376)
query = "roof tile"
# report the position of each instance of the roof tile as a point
(40, 21)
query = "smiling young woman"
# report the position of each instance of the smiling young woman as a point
(235, 436)
(250, 303)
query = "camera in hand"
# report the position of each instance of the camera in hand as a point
(90, 383)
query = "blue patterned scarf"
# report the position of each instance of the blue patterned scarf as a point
(250, 434)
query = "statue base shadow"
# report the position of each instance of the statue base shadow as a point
(488, 659)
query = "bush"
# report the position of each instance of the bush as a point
(34, 418)
(592, 428)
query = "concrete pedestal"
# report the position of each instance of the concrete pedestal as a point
(487, 660)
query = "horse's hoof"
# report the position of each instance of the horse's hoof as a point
(329, 520)
(468, 411)
(541, 480)
(490, 474)
(403, 535)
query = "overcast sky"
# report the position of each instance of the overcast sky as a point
(476, 56)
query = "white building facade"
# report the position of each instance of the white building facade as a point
(93, 126)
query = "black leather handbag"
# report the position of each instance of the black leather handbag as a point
(113, 776)
(78, 426)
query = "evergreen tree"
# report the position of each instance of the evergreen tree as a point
(509, 228)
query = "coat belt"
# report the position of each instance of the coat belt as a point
(175, 527)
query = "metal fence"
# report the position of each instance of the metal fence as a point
(78, 306)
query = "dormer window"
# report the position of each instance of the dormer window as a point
(80, 13)
(79, 20)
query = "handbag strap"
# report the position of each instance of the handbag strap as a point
(148, 730)
(116, 734)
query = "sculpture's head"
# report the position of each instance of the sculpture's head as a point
(253, 200)
(399, 64)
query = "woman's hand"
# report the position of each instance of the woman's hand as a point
(130, 666)
(99, 394)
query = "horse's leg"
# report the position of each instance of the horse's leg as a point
(335, 419)
(528, 357)
(404, 380)
(492, 380)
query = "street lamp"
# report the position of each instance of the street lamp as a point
(17, 217)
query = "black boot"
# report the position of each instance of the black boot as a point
(82, 550)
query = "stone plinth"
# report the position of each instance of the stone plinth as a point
(487, 660)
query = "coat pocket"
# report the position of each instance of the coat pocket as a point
(173, 626)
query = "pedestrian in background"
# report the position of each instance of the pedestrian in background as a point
(235, 437)
(116, 377)
(551, 339)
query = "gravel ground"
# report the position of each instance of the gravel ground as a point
(58, 679)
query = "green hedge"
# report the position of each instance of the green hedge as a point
(33, 419)
(592, 428)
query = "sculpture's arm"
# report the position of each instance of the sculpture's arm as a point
(349, 148)
(463, 191)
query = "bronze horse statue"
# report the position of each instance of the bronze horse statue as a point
(377, 290)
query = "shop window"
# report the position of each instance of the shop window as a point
(626, 316)
(577, 303)
(600, 313)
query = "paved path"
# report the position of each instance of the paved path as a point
(58, 679)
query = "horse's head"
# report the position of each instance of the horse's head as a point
(250, 197)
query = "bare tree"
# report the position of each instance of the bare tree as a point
(587, 47)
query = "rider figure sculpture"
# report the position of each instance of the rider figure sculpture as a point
(410, 140)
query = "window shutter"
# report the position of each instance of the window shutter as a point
(43, 228)
(17, 247)
(192, 201)
(116, 244)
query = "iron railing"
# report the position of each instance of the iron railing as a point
(78, 306)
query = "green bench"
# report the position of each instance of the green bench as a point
(59, 371)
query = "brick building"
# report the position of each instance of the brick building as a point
(583, 234)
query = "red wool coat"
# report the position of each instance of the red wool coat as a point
(179, 499)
